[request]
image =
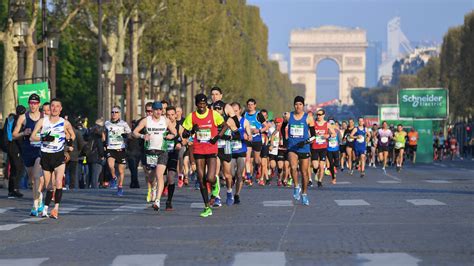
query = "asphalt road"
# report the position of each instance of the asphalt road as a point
(421, 216)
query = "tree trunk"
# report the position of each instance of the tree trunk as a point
(135, 88)
(10, 72)
(30, 58)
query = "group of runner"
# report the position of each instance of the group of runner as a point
(217, 141)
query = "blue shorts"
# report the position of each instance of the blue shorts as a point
(29, 156)
(360, 150)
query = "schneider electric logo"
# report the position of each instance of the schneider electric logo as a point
(423, 101)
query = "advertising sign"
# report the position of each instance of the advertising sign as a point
(24, 91)
(388, 112)
(423, 103)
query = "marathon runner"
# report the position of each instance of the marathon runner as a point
(203, 124)
(400, 139)
(299, 126)
(319, 146)
(413, 143)
(360, 134)
(115, 135)
(384, 136)
(31, 150)
(263, 180)
(173, 147)
(342, 145)
(278, 148)
(372, 145)
(156, 127)
(334, 139)
(55, 134)
(349, 140)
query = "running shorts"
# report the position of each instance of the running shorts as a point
(413, 148)
(29, 156)
(282, 155)
(204, 156)
(302, 155)
(172, 164)
(156, 157)
(222, 156)
(50, 161)
(120, 156)
(318, 154)
(359, 151)
(265, 151)
(239, 155)
(256, 146)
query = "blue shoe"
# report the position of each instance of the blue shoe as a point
(34, 212)
(196, 185)
(297, 193)
(113, 183)
(41, 207)
(304, 199)
(217, 202)
(230, 199)
(120, 192)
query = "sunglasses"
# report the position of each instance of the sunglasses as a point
(115, 112)
(217, 108)
(33, 103)
(149, 111)
(319, 114)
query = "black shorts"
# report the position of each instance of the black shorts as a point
(342, 148)
(350, 144)
(120, 156)
(383, 148)
(255, 145)
(273, 157)
(204, 156)
(222, 156)
(413, 148)
(239, 155)
(318, 154)
(302, 155)
(156, 157)
(265, 151)
(50, 161)
(282, 155)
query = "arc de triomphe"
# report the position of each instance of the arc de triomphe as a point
(343, 45)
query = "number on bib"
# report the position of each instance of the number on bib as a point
(203, 135)
(297, 131)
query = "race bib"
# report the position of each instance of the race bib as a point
(332, 143)
(36, 143)
(360, 139)
(320, 139)
(170, 145)
(221, 143)
(297, 131)
(252, 127)
(453, 147)
(413, 138)
(151, 160)
(203, 135)
(275, 143)
(399, 145)
(236, 145)
(384, 139)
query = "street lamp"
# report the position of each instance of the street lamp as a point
(155, 83)
(52, 44)
(106, 61)
(142, 71)
(20, 30)
(142, 75)
(127, 71)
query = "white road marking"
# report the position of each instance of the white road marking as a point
(425, 202)
(278, 203)
(387, 259)
(343, 183)
(67, 209)
(393, 177)
(260, 258)
(438, 181)
(33, 219)
(23, 262)
(131, 208)
(388, 182)
(3, 210)
(138, 260)
(8, 227)
(197, 205)
(355, 202)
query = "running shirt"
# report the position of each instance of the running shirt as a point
(239, 146)
(207, 129)
(297, 132)
(412, 138)
(254, 124)
(347, 136)
(333, 142)
(384, 137)
(275, 143)
(359, 137)
(157, 131)
(114, 131)
(320, 142)
(399, 138)
(222, 143)
(57, 131)
(26, 143)
(453, 143)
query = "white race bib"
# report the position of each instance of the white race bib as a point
(360, 139)
(399, 145)
(203, 135)
(320, 139)
(384, 139)
(236, 145)
(333, 143)
(151, 160)
(297, 131)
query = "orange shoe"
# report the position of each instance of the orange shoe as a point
(165, 191)
(208, 187)
(180, 181)
(54, 214)
(261, 182)
(333, 181)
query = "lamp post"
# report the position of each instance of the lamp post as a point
(52, 44)
(142, 69)
(155, 83)
(128, 99)
(105, 60)
(20, 30)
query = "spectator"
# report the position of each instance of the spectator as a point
(94, 152)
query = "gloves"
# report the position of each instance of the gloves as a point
(214, 139)
(124, 135)
(47, 137)
(194, 129)
(69, 143)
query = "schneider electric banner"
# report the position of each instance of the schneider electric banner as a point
(423, 103)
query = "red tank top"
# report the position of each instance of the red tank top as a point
(207, 131)
(320, 142)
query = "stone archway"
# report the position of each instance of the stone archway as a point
(343, 45)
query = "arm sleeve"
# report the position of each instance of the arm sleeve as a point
(188, 122)
(218, 119)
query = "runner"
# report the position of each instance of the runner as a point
(400, 139)
(372, 145)
(173, 147)
(333, 149)
(263, 180)
(116, 132)
(239, 152)
(453, 146)
(319, 146)
(413, 143)
(384, 136)
(31, 150)
(342, 145)
(55, 134)
(156, 127)
(203, 123)
(299, 126)
(360, 134)
(349, 140)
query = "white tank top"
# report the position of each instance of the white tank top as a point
(275, 143)
(115, 141)
(57, 131)
(156, 130)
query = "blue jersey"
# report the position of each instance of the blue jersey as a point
(359, 137)
(254, 124)
(333, 142)
(239, 146)
(298, 130)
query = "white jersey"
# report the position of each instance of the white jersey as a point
(156, 130)
(275, 143)
(115, 141)
(57, 131)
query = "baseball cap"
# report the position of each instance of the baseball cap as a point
(20, 109)
(34, 98)
(199, 98)
(218, 104)
(279, 120)
(157, 105)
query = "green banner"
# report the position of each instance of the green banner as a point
(424, 152)
(429, 103)
(24, 91)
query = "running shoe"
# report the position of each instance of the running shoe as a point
(352, 172)
(362, 174)
(180, 181)
(186, 181)
(44, 214)
(384, 171)
(54, 214)
(398, 169)
(279, 183)
(216, 189)
(217, 202)
(327, 172)
(230, 199)
(196, 185)
(169, 207)
(34, 212)
(261, 182)
(333, 181)
(236, 199)
(206, 212)
(297, 193)
(304, 199)
(165, 192)
(156, 205)
(113, 183)
(148, 195)
(320, 184)
(310, 183)
(11, 195)
(41, 207)
(342, 169)
(290, 182)
(120, 192)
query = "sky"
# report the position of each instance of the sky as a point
(421, 20)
